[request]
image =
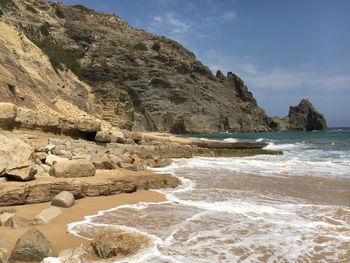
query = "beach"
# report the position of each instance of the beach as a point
(57, 232)
(293, 207)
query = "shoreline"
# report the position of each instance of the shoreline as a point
(57, 229)
(121, 176)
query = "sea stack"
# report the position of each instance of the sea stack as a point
(303, 117)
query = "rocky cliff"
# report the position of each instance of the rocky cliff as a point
(303, 117)
(82, 66)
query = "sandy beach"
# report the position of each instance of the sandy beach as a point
(56, 231)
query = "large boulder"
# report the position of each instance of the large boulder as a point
(32, 246)
(64, 199)
(107, 136)
(34, 119)
(112, 243)
(73, 169)
(15, 159)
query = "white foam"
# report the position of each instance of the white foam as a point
(269, 165)
(231, 140)
(217, 223)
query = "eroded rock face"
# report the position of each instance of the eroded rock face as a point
(32, 246)
(111, 243)
(306, 117)
(303, 117)
(132, 79)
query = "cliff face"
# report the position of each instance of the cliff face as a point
(303, 117)
(55, 58)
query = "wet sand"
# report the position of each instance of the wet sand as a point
(56, 231)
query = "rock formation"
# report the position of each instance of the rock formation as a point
(112, 243)
(60, 64)
(71, 70)
(31, 247)
(303, 117)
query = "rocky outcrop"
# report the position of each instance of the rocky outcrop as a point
(32, 246)
(64, 164)
(303, 117)
(106, 183)
(79, 72)
(12, 117)
(124, 76)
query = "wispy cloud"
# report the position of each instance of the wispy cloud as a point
(282, 79)
(229, 15)
(185, 21)
(170, 24)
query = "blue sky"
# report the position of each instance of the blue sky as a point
(284, 50)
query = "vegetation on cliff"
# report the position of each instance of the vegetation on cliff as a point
(128, 77)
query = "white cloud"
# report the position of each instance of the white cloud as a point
(170, 24)
(287, 79)
(229, 15)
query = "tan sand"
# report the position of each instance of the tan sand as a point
(56, 231)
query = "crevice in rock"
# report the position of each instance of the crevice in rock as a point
(139, 107)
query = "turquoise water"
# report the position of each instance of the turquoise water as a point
(333, 139)
(332, 145)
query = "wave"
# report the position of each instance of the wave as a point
(266, 165)
(231, 140)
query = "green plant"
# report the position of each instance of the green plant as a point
(44, 29)
(82, 8)
(140, 46)
(156, 46)
(31, 9)
(58, 55)
(60, 12)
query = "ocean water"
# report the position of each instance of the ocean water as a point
(288, 208)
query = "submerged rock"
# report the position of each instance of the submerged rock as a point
(112, 243)
(32, 246)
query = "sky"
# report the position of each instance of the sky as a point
(284, 50)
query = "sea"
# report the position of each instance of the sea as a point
(293, 207)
